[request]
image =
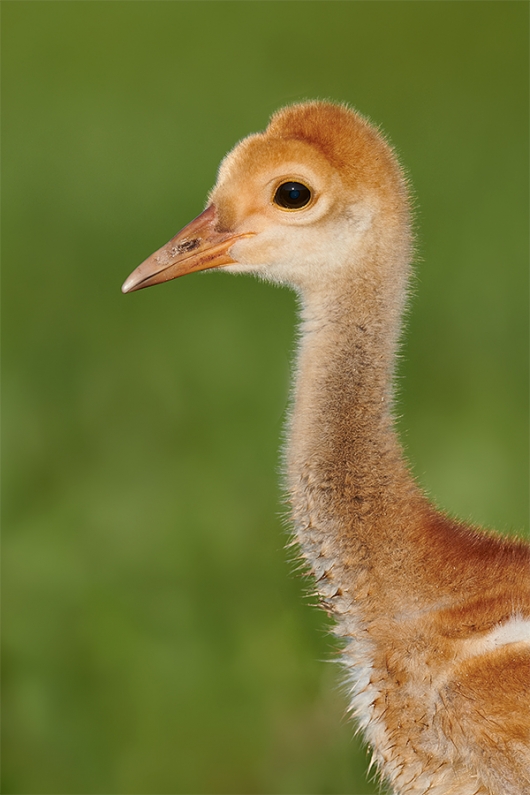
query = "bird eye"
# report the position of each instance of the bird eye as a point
(292, 196)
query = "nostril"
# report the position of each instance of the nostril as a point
(188, 245)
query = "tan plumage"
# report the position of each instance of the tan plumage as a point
(435, 614)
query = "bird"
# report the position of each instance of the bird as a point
(432, 613)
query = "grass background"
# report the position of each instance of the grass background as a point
(156, 639)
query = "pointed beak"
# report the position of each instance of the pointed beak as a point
(197, 247)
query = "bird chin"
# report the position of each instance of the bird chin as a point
(238, 267)
(263, 272)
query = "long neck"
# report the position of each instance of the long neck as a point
(354, 501)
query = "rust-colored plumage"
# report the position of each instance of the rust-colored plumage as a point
(435, 614)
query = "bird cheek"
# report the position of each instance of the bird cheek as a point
(246, 252)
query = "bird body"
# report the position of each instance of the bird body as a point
(434, 614)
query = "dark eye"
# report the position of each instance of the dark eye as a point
(292, 196)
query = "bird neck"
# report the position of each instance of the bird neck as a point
(351, 492)
(342, 425)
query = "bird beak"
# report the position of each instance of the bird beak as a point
(197, 247)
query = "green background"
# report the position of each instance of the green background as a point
(156, 636)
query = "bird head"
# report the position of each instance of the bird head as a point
(316, 193)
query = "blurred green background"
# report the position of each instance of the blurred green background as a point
(156, 636)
